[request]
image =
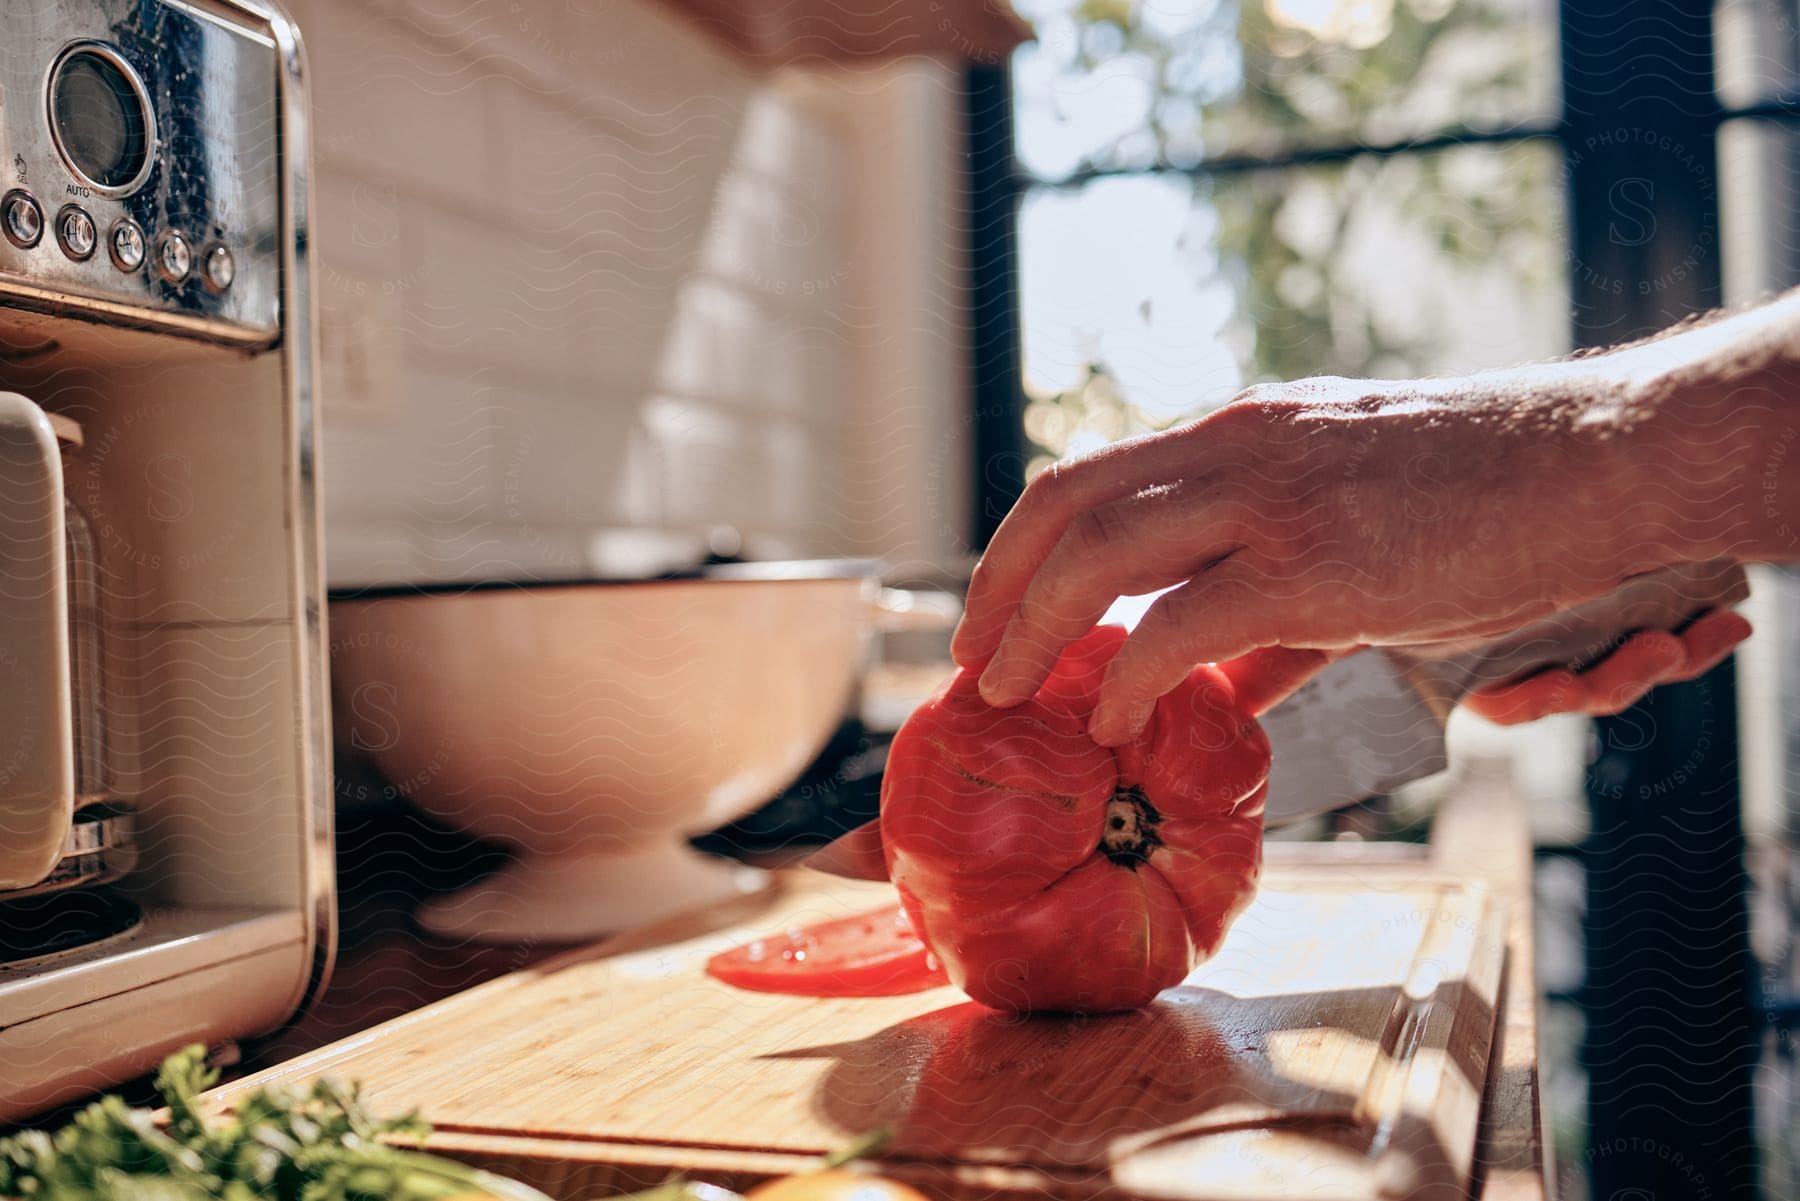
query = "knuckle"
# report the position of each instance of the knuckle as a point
(1094, 533)
(1043, 489)
(1165, 627)
(1257, 395)
(1052, 477)
(1254, 409)
(981, 580)
(1187, 621)
(1293, 396)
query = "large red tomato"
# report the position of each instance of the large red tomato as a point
(1050, 873)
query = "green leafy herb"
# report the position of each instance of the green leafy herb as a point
(314, 1144)
(873, 1143)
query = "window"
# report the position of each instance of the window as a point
(1210, 194)
(1217, 195)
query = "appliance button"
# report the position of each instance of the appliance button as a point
(22, 219)
(173, 258)
(126, 244)
(220, 269)
(75, 232)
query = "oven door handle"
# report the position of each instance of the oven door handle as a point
(37, 762)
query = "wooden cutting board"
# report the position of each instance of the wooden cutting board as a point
(1336, 1047)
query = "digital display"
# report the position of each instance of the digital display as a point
(100, 120)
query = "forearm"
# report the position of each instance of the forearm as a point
(1682, 447)
(1711, 414)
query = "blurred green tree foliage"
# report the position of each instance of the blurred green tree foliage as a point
(1264, 77)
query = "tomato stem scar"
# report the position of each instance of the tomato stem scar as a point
(1129, 836)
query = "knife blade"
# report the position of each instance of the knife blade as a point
(1374, 720)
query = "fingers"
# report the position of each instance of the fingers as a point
(1556, 690)
(1264, 678)
(1709, 639)
(1609, 686)
(1213, 617)
(1040, 518)
(1127, 547)
(1622, 678)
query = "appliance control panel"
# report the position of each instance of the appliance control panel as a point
(140, 171)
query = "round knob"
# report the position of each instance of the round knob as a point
(173, 258)
(126, 244)
(22, 219)
(220, 269)
(75, 232)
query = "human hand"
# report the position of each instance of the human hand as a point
(1643, 661)
(1327, 514)
(1264, 678)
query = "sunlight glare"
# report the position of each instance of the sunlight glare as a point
(1123, 272)
(1357, 24)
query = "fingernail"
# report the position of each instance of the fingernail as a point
(1108, 727)
(964, 651)
(993, 685)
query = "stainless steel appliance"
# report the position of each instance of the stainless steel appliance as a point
(165, 868)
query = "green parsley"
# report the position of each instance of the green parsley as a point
(283, 1144)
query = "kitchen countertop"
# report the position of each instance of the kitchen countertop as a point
(386, 969)
(1483, 833)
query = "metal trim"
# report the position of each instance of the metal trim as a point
(146, 110)
(101, 310)
(101, 847)
(299, 318)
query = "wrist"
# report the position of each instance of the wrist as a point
(1636, 491)
(1580, 448)
(1712, 445)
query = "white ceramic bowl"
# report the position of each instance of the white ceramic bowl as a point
(594, 727)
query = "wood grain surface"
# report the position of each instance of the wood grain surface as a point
(1336, 1047)
(1484, 834)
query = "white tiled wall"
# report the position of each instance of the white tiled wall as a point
(582, 272)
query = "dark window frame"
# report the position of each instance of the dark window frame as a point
(1657, 855)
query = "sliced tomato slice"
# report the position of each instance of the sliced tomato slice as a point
(873, 954)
